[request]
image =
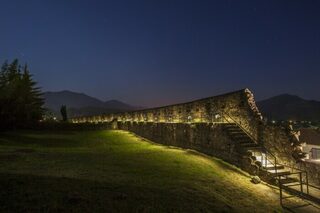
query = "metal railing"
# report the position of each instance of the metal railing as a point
(264, 151)
(267, 157)
(239, 125)
(293, 191)
(300, 172)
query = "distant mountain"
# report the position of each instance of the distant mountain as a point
(54, 100)
(290, 107)
(79, 104)
(115, 104)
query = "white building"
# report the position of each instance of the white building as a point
(311, 143)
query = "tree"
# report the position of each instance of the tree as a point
(31, 97)
(63, 111)
(20, 99)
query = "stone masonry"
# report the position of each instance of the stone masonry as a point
(199, 125)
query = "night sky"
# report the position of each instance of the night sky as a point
(151, 53)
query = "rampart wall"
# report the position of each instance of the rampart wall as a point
(199, 125)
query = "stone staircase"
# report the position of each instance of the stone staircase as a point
(242, 140)
(258, 161)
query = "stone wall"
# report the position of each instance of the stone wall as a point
(313, 170)
(207, 138)
(236, 106)
(279, 141)
(195, 125)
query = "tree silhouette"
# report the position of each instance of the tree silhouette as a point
(63, 111)
(20, 100)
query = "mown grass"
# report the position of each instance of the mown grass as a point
(115, 171)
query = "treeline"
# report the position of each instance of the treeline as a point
(21, 102)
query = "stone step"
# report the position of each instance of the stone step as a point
(230, 124)
(260, 158)
(245, 144)
(239, 139)
(279, 172)
(232, 127)
(251, 144)
(258, 154)
(265, 163)
(233, 131)
(245, 150)
(273, 167)
(251, 148)
(244, 141)
(240, 136)
(268, 165)
(289, 181)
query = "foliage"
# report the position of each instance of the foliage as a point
(20, 99)
(63, 111)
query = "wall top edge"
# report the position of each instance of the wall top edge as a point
(241, 91)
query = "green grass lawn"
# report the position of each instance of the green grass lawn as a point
(104, 171)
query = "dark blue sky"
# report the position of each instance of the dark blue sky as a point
(159, 52)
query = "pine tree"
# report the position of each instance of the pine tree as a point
(3, 83)
(20, 100)
(3, 75)
(32, 97)
(9, 78)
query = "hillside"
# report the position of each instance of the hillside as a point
(80, 104)
(290, 107)
(114, 171)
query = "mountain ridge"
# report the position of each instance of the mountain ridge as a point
(280, 107)
(81, 104)
(290, 107)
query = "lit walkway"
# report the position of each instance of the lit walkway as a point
(314, 192)
(304, 207)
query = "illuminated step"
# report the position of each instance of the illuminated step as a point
(264, 162)
(279, 172)
(273, 167)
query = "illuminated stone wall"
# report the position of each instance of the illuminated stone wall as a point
(195, 125)
(279, 141)
(208, 138)
(313, 170)
(237, 107)
(199, 125)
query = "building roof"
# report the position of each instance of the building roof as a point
(310, 136)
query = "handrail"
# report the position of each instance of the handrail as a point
(291, 173)
(274, 157)
(306, 182)
(239, 125)
(293, 167)
(313, 186)
(255, 140)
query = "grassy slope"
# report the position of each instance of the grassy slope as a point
(114, 170)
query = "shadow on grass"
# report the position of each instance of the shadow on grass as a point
(305, 207)
(219, 162)
(39, 139)
(30, 193)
